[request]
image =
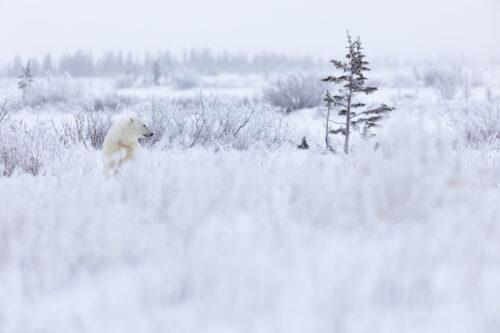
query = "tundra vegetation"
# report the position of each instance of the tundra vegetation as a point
(236, 214)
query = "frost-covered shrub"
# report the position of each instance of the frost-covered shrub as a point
(28, 147)
(184, 80)
(24, 148)
(96, 125)
(399, 81)
(88, 128)
(295, 92)
(478, 123)
(215, 123)
(53, 89)
(111, 101)
(125, 81)
(445, 81)
(6, 105)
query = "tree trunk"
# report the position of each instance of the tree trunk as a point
(327, 129)
(347, 125)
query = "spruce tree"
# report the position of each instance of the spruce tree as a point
(47, 64)
(25, 78)
(156, 73)
(350, 83)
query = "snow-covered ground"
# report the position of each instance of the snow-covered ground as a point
(401, 238)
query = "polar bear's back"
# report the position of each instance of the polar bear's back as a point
(114, 137)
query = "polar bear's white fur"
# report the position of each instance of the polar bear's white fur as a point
(121, 142)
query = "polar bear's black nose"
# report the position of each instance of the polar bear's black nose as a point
(148, 135)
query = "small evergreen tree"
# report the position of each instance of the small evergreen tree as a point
(156, 73)
(303, 144)
(352, 82)
(47, 66)
(25, 78)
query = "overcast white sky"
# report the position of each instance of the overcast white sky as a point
(401, 28)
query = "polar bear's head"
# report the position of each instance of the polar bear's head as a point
(137, 128)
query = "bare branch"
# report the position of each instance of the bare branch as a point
(335, 122)
(244, 123)
(5, 106)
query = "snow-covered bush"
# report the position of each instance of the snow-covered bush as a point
(398, 81)
(5, 107)
(29, 148)
(95, 126)
(445, 81)
(477, 123)
(87, 127)
(111, 101)
(52, 90)
(125, 81)
(215, 123)
(184, 80)
(296, 91)
(24, 148)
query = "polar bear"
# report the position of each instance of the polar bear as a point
(121, 142)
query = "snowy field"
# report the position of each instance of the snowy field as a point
(218, 228)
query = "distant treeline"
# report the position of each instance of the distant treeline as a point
(202, 61)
